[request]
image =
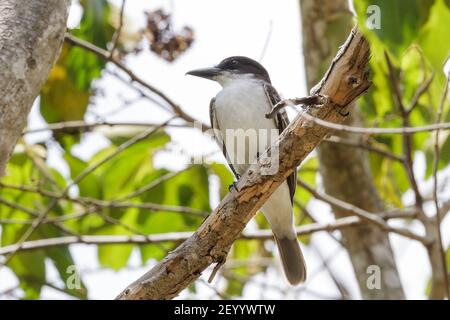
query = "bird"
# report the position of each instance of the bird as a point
(247, 95)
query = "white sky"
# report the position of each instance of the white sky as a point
(222, 28)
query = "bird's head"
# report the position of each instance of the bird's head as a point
(233, 68)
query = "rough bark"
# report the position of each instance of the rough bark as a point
(31, 35)
(212, 241)
(324, 25)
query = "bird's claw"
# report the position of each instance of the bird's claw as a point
(233, 185)
(344, 114)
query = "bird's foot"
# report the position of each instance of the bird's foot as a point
(341, 112)
(344, 114)
(233, 186)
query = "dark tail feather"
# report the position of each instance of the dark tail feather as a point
(292, 259)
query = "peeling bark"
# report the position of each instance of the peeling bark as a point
(31, 35)
(213, 239)
(324, 25)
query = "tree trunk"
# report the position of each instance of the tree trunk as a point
(31, 35)
(324, 26)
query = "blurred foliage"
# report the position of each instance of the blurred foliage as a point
(67, 92)
(65, 97)
(28, 168)
(412, 34)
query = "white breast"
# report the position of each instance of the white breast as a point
(240, 110)
(240, 106)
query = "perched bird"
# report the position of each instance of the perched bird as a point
(247, 95)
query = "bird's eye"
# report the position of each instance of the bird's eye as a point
(234, 62)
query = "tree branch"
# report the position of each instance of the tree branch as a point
(363, 214)
(83, 174)
(373, 131)
(364, 145)
(213, 239)
(439, 244)
(107, 57)
(116, 36)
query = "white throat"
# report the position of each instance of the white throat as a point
(227, 79)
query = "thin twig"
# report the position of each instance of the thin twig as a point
(266, 42)
(345, 295)
(304, 101)
(117, 204)
(435, 188)
(19, 207)
(116, 35)
(174, 236)
(83, 126)
(407, 139)
(364, 145)
(363, 214)
(148, 206)
(374, 131)
(106, 56)
(42, 215)
(122, 147)
(423, 88)
(154, 183)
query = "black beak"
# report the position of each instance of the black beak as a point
(207, 73)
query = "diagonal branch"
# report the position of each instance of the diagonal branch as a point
(345, 81)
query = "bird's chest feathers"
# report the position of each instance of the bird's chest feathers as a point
(243, 105)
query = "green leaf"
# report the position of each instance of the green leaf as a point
(400, 20)
(189, 188)
(114, 256)
(392, 182)
(432, 35)
(89, 186)
(234, 287)
(176, 190)
(411, 31)
(307, 173)
(242, 251)
(159, 222)
(444, 153)
(123, 173)
(448, 258)
(62, 259)
(156, 141)
(29, 267)
(155, 251)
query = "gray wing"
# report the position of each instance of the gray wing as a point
(281, 121)
(218, 135)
